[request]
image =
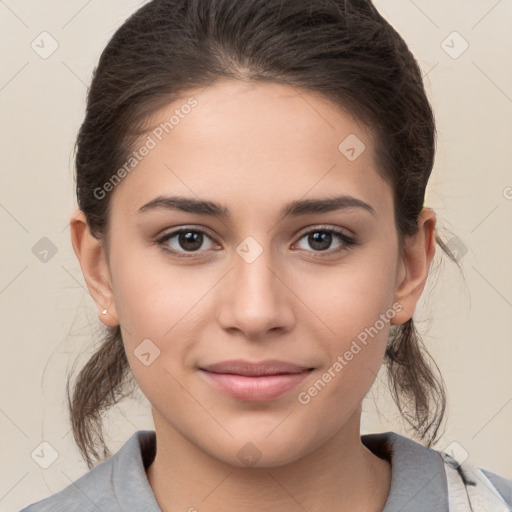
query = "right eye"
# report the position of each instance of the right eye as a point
(189, 239)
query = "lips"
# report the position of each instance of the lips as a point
(256, 382)
(252, 369)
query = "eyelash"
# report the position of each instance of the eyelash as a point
(348, 242)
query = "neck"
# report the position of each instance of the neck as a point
(336, 476)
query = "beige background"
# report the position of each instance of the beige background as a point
(48, 317)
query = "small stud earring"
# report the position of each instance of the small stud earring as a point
(104, 311)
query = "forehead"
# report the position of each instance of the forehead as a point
(253, 144)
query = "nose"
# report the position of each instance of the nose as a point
(255, 298)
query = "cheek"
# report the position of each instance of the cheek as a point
(355, 313)
(157, 304)
(351, 296)
(151, 295)
(354, 306)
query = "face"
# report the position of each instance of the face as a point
(315, 288)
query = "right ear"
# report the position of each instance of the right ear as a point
(93, 261)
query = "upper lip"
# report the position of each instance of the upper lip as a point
(248, 368)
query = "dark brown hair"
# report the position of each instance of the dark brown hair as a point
(343, 50)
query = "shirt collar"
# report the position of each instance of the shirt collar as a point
(131, 485)
(418, 477)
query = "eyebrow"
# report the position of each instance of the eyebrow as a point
(292, 209)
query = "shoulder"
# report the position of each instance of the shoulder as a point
(89, 493)
(104, 487)
(424, 478)
(480, 485)
(502, 484)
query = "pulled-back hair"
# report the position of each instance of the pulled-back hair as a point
(343, 50)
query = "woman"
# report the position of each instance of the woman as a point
(251, 226)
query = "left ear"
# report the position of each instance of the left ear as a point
(415, 265)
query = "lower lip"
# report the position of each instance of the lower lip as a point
(256, 389)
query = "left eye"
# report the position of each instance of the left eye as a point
(321, 239)
(191, 240)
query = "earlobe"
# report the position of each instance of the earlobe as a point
(415, 265)
(93, 262)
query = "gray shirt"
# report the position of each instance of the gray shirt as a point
(120, 484)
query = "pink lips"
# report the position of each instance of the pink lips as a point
(255, 381)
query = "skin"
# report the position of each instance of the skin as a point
(255, 147)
